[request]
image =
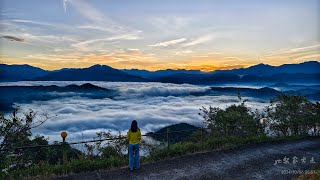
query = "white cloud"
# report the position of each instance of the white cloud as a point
(47, 38)
(84, 44)
(96, 27)
(65, 5)
(169, 43)
(100, 20)
(22, 21)
(153, 105)
(233, 58)
(311, 51)
(88, 11)
(199, 40)
(316, 46)
(184, 52)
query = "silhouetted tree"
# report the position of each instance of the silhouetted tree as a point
(15, 131)
(234, 120)
(292, 114)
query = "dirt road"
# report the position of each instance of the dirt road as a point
(247, 162)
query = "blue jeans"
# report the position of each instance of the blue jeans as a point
(134, 157)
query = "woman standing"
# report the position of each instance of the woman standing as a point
(134, 137)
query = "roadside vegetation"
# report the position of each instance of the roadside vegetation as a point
(287, 117)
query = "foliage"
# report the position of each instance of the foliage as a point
(102, 149)
(74, 166)
(55, 153)
(15, 131)
(291, 114)
(234, 120)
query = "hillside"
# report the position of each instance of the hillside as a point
(161, 135)
(309, 67)
(181, 78)
(155, 75)
(20, 72)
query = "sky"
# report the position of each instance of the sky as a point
(153, 35)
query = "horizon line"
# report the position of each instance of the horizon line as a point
(176, 69)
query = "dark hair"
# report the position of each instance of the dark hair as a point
(134, 126)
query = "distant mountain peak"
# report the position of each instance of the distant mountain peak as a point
(93, 73)
(261, 65)
(308, 67)
(98, 66)
(311, 62)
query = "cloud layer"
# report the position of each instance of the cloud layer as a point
(153, 105)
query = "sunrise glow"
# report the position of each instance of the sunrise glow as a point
(157, 35)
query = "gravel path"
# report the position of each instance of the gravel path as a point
(246, 162)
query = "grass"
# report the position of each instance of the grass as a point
(175, 150)
(211, 143)
(74, 166)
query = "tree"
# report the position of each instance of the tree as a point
(116, 146)
(292, 114)
(15, 131)
(315, 120)
(234, 120)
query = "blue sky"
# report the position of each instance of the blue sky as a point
(153, 35)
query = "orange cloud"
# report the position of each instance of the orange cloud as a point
(135, 58)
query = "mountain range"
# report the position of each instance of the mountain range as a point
(20, 72)
(309, 67)
(93, 73)
(306, 72)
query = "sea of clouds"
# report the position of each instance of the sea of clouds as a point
(153, 105)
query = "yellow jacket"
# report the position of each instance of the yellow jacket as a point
(134, 137)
